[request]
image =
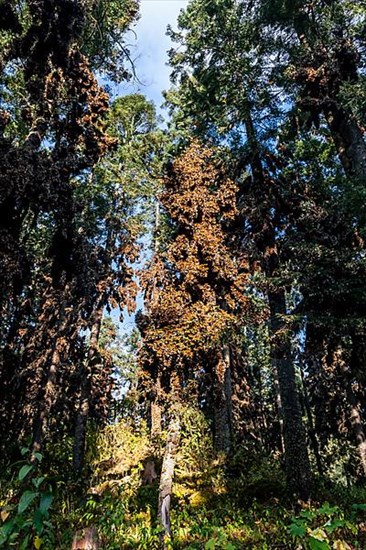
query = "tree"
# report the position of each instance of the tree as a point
(322, 43)
(121, 183)
(223, 89)
(52, 136)
(198, 287)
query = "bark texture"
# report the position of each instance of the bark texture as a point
(348, 140)
(312, 431)
(155, 413)
(222, 402)
(85, 391)
(86, 539)
(166, 478)
(358, 430)
(297, 462)
(267, 211)
(53, 367)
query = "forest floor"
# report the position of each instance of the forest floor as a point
(213, 518)
(217, 503)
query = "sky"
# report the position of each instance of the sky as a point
(149, 50)
(150, 46)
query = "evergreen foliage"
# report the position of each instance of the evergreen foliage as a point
(233, 416)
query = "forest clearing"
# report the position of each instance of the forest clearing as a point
(183, 286)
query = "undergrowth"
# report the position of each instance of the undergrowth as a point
(216, 504)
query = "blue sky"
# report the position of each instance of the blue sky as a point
(149, 48)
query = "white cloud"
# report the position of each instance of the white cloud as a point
(150, 48)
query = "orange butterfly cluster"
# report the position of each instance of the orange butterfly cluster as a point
(200, 288)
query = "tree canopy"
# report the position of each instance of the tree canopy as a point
(232, 235)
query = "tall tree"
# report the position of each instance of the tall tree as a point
(222, 87)
(198, 286)
(122, 182)
(52, 134)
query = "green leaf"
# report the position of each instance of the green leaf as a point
(308, 514)
(14, 536)
(332, 525)
(46, 501)
(25, 500)
(25, 543)
(2, 537)
(38, 481)
(24, 471)
(210, 544)
(316, 544)
(7, 528)
(38, 522)
(328, 510)
(48, 524)
(25, 523)
(297, 530)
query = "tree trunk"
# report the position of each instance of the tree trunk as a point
(346, 133)
(354, 407)
(297, 462)
(296, 454)
(155, 413)
(86, 539)
(279, 408)
(357, 427)
(85, 390)
(358, 363)
(40, 426)
(312, 432)
(87, 372)
(222, 401)
(356, 421)
(348, 140)
(167, 475)
(50, 391)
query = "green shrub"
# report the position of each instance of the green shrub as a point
(325, 528)
(26, 506)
